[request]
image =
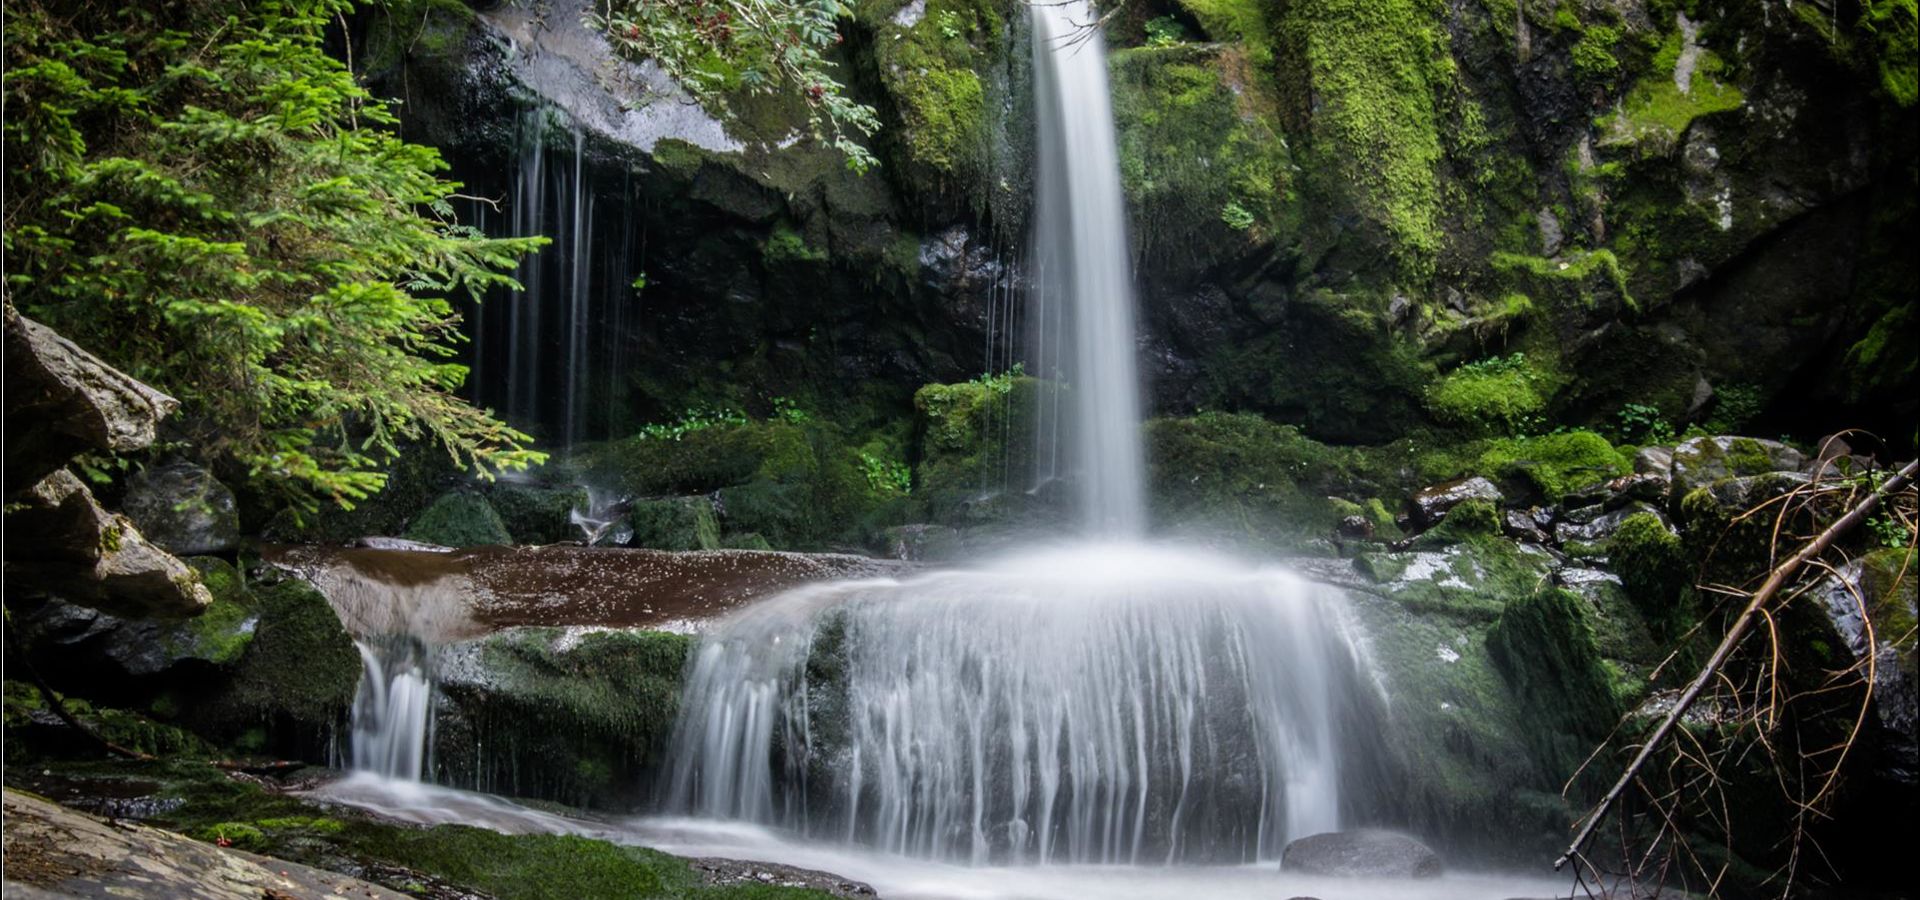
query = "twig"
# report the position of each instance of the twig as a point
(1776, 580)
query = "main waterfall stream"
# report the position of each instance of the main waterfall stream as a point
(1105, 718)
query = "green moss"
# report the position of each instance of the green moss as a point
(1593, 59)
(1499, 394)
(459, 519)
(1588, 277)
(578, 718)
(1655, 570)
(1554, 463)
(785, 246)
(1896, 42)
(970, 435)
(675, 523)
(1655, 111)
(1197, 138)
(292, 685)
(239, 835)
(1238, 476)
(537, 515)
(224, 629)
(1875, 364)
(1545, 647)
(1470, 519)
(932, 73)
(1375, 69)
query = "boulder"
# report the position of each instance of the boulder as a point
(104, 643)
(1704, 460)
(1869, 605)
(538, 515)
(183, 508)
(1361, 854)
(459, 519)
(1428, 506)
(1601, 525)
(1653, 461)
(62, 401)
(674, 523)
(60, 541)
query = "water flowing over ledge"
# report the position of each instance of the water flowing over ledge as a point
(1106, 703)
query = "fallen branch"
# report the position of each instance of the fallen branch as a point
(1777, 579)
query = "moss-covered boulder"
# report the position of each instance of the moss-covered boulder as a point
(976, 445)
(675, 523)
(459, 519)
(576, 716)
(537, 514)
(1241, 478)
(289, 691)
(1702, 461)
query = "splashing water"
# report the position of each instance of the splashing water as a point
(1101, 704)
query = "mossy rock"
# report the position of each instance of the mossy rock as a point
(675, 523)
(290, 689)
(459, 519)
(971, 436)
(1553, 465)
(579, 718)
(1239, 477)
(1470, 581)
(1544, 646)
(535, 514)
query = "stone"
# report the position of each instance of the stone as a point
(1702, 461)
(1653, 461)
(1428, 506)
(674, 523)
(1877, 589)
(534, 514)
(1520, 525)
(1599, 527)
(1361, 854)
(70, 854)
(183, 508)
(459, 519)
(61, 541)
(1644, 487)
(143, 646)
(1356, 527)
(62, 401)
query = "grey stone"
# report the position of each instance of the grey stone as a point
(1430, 505)
(1361, 854)
(183, 508)
(62, 401)
(1653, 461)
(1704, 460)
(60, 541)
(1520, 525)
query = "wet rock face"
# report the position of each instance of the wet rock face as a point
(1361, 854)
(1704, 460)
(1869, 607)
(148, 646)
(1426, 508)
(183, 508)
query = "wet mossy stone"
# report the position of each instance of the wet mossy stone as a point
(459, 519)
(581, 718)
(183, 508)
(1240, 477)
(1544, 646)
(675, 523)
(535, 514)
(1553, 464)
(290, 689)
(1701, 461)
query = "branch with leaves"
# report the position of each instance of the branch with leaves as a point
(712, 47)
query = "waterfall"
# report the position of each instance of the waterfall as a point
(400, 607)
(1101, 704)
(1082, 281)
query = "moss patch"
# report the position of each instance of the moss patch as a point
(459, 519)
(1495, 395)
(1554, 464)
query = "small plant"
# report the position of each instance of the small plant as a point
(691, 420)
(949, 24)
(1889, 531)
(785, 410)
(1499, 394)
(1165, 31)
(1236, 216)
(1643, 422)
(886, 475)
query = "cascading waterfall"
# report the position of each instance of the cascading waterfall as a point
(1083, 287)
(1099, 704)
